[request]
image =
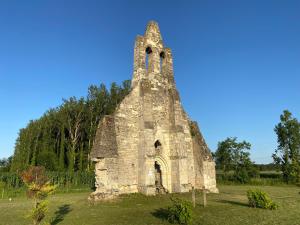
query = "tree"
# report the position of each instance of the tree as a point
(97, 101)
(61, 163)
(5, 164)
(233, 155)
(73, 110)
(38, 189)
(287, 154)
(48, 160)
(63, 137)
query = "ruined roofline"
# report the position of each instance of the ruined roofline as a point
(105, 143)
(198, 137)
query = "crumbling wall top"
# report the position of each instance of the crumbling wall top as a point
(198, 138)
(153, 32)
(105, 144)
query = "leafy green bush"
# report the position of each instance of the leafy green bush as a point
(260, 199)
(180, 212)
(38, 213)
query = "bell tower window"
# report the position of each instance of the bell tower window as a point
(161, 58)
(148, 52)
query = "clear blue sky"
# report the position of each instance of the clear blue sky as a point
(237, 63)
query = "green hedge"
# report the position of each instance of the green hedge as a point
(271, 175)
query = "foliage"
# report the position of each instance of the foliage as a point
(11, 180)
(67, 180)
(38, 189)
(63, 180)
(180, 211)
(267, 167)
(259, 199)
(260, 181)
(233, 155)
(62, 139)
(287, 154)
(267, 181)
(5, 164)
(2, 188)
(270, 174)
(38, 213)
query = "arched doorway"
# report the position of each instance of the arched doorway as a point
(161, 170)
(158, 177)
(159, 182)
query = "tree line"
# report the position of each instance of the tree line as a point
(233, 157)
(62, 139)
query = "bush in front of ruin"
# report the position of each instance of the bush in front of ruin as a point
(180, 212)
(38, 189)
(260, 199)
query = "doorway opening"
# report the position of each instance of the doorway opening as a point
(158, 179)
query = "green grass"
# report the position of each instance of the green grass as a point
(228, 207)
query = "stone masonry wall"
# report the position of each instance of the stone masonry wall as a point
(126, 149)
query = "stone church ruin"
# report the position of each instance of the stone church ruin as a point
(149, 144)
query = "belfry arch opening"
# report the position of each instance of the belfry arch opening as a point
(148, 52)
(161, 59)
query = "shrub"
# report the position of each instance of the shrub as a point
(259, 199)
(180, 211)
(38, 189)
(38, 213)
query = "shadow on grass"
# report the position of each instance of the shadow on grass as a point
(60, 213)
(234, 203)
(161, 214)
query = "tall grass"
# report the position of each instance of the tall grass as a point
(12, 185)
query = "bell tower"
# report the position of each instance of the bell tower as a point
(151, 59)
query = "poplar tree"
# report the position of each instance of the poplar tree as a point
(287, 154)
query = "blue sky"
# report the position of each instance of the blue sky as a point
(237, 63)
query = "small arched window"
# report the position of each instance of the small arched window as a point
(148, 52)
(161, 58)
(157, 144)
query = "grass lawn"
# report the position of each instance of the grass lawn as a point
(228, 207)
